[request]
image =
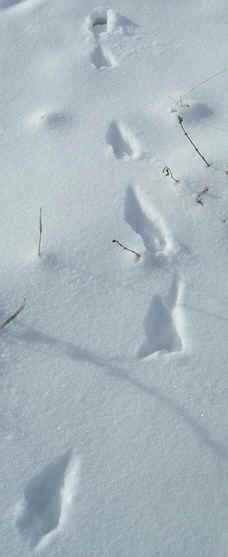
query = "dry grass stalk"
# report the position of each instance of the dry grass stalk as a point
(180, 101)
(125, 248)
(199, 83)
(180, 120)
(12, 317)
(168, 172)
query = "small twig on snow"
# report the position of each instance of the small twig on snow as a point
(180, 120)
(125, 248)
(168, 172)
(12, 317)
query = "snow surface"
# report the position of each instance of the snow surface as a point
(114, 376)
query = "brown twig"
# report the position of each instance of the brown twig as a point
(168, 172)
(12, 317)
(125, 248)
(199, 195)
(41, 231)
(180, 120)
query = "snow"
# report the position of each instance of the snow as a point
(113, 377)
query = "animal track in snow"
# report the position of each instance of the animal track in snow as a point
(100, 59)
(125, 25)
(101, 21)
(148, 223)
(50, 119)
(163, 324)
(47, 500)
(122, 142)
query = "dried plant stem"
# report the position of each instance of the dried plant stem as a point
(41, 231)
(180, 120)
(127, 249)
(168, 172)
(12, 317)
(199, 83)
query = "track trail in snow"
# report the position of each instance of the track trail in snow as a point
(48, 496)
(162, 333)
(147, 221)
(119, 355)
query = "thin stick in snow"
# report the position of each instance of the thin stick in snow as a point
(127, 249)
(180, 120)
(195, 86)
(41, 231)
(168, 172)
(199, 83)
(12, 317)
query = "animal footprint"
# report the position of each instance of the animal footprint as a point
(163, 324)
(101, 21)
(47, 499)
(52, 120)
(148, 223)
(106, 21)
(122, 142)
(101, 60)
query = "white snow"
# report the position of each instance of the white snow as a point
(113, 396)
